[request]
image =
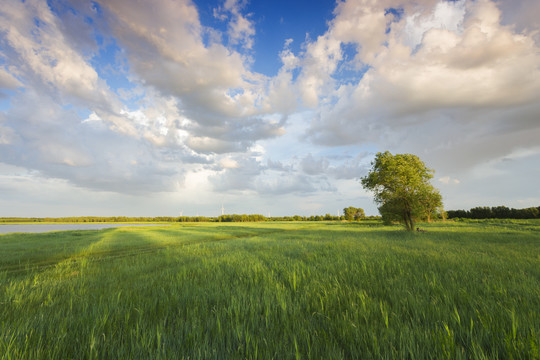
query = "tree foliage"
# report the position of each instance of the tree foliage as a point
(402, 188)
(497, 212)
(351, 213)
(242, 218)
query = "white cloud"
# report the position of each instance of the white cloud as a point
(57, 143)
(33, 34)
(165, 48)
(7, 135)
(447, 180)
(228, 163)
(8, 81)
(318, 64)
(457, 89)
(447, 16)
(180, 112)
(240, 29)
(312, 166)
(93, 117)
(360, 23)
(224, 101)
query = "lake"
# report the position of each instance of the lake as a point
(38, 228)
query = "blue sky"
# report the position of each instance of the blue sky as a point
(169, 107)
(275, 22)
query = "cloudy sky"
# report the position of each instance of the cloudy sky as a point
(149, 108)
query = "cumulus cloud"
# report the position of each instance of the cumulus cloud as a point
(251, 173)
(183, 106)
(239, 177)
(228, 163)
(521, 15)
(56, 142)
(445, 77)
(336, 167)
(302, 176)
(33, 36)
(223, 100)
(53, 81)
(7, 81)
(240, 29)
(312, 166)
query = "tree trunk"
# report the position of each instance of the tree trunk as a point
(409, 222)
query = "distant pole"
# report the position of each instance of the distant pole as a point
(222, 210)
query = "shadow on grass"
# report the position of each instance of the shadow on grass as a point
(21, 253)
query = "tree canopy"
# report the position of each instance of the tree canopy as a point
(402, 188)
(351, 213)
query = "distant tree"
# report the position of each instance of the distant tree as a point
(351, 213)
(453, 214)
(442, 213)
(532, 213)
(402, 188)
(432, 204)
(496, 212)
(360, 214)
(481, 212)
(501, 212)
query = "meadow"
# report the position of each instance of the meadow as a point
(295, 290)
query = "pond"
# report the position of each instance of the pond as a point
(38, 228)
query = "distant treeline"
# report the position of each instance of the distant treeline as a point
(258, 218)
(497, 212)
(222, 218)
(327, 217)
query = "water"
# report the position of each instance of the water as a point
(38, 228)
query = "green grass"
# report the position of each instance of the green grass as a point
(273, 290)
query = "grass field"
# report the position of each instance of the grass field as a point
(273, 290)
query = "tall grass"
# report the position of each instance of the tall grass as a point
(272, 290)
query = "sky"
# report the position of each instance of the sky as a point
(168, 108)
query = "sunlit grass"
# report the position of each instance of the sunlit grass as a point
(273, 290)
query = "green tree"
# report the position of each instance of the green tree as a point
(402, 188)
(351, 213)
(432, 204)
(360, 214)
